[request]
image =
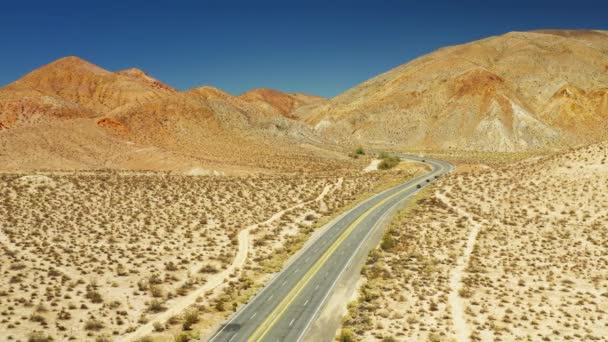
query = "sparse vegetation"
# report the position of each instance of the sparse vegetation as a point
(537, 236)
(93, 324)
(346, 335)
(115, 245)
(190, 318)
(387, 161)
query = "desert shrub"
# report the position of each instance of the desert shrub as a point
(346, 335)
(465, 292)
(38, 336)
(156, 291)
(173, 320)
(121, 270)
(171, 266)
(190, 318)
(155, 279)
(219, 306)
(209, 269)
(434, 337)
(37, 318)
(64, 315)
(158, 326)
(142, 285)
(156, 306)
(183, 337)
(143, 319)
(94, 296)
(93, 324)
(388, 242)
(388, 161)
(17, 266)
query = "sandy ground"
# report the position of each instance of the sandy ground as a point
(509, 253)
(244, 244)
(112, 256)
(457, 306)
(373, 165)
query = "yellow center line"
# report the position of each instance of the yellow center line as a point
(295, 291)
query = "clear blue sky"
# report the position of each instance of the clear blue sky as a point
(304, 46)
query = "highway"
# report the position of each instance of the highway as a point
(285, 308)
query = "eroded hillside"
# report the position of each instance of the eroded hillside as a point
(72, 114)
(515, 92)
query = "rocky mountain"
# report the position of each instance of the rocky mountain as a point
(79, 82)
(278, 102)
(208, 122)
(518, 91)
(515, 92)
(257, 118)
(132, 120)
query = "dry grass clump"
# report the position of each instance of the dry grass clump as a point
(387, 161)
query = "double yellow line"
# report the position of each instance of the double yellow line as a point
(280, 309)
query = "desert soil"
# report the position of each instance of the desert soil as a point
(111, 255)
(512, 253)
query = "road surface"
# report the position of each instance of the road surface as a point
(286, 307)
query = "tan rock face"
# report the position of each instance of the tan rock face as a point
(209, 93)
(20, 105)
(140, 75)
(210, 123)
(279, 102)
(518, 91)
(168, 119)
(575, 110)
(253, 117)
(113, 126)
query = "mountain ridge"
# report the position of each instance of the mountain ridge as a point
(495, 94)
(129, 111)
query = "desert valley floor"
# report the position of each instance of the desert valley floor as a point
(509, 253)
(123, 255)
(494, 251)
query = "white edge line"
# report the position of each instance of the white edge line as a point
(331, 288)
(292, 260)
(301, 251)
(289, 263)
(322, 303)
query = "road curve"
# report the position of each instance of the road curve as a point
(284, 309)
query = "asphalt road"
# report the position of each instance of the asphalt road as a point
(285, 308)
